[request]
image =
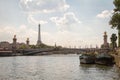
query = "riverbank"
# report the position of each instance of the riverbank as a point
(117, 60)
(9, 53)
(116, 55)
(6, 53)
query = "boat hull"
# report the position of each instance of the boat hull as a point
(104, 59)
(101, 58)
(87, 59)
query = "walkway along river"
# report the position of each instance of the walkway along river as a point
(53, 67)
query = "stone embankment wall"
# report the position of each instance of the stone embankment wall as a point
(117, 57)
(117, 60)
(6, 53)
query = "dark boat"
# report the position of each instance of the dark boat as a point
(87, 59)
(104, 59)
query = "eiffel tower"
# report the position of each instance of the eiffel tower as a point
(39, 36)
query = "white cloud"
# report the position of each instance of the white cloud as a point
(64, 37)
(44, 6)
(38, 7)
(32, 20)
(66, 21)
(105, 14)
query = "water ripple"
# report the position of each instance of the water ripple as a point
(63, 67)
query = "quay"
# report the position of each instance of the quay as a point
(117, 60)
(117, 57)
(6, 53)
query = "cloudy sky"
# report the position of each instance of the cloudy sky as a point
(66, 22)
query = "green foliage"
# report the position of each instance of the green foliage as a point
(44, 46)
(102, 46)
(113, 41)
(23, 47)
(40, 46)
(117, 5)
(57, 47)
(113, 38)
(115, 19)
(33, 46)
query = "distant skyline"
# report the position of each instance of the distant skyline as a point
(64, 22)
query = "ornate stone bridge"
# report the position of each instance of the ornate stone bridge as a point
(48, 51)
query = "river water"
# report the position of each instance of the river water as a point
(53, 67)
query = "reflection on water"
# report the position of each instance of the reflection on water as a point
(55, 67)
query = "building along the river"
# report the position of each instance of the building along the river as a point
(4, 45)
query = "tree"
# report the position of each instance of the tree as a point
(113, 41)
(115, 19)
(23, 46)
(33, 46)
(117, 5)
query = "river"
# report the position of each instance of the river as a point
(53, 67)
